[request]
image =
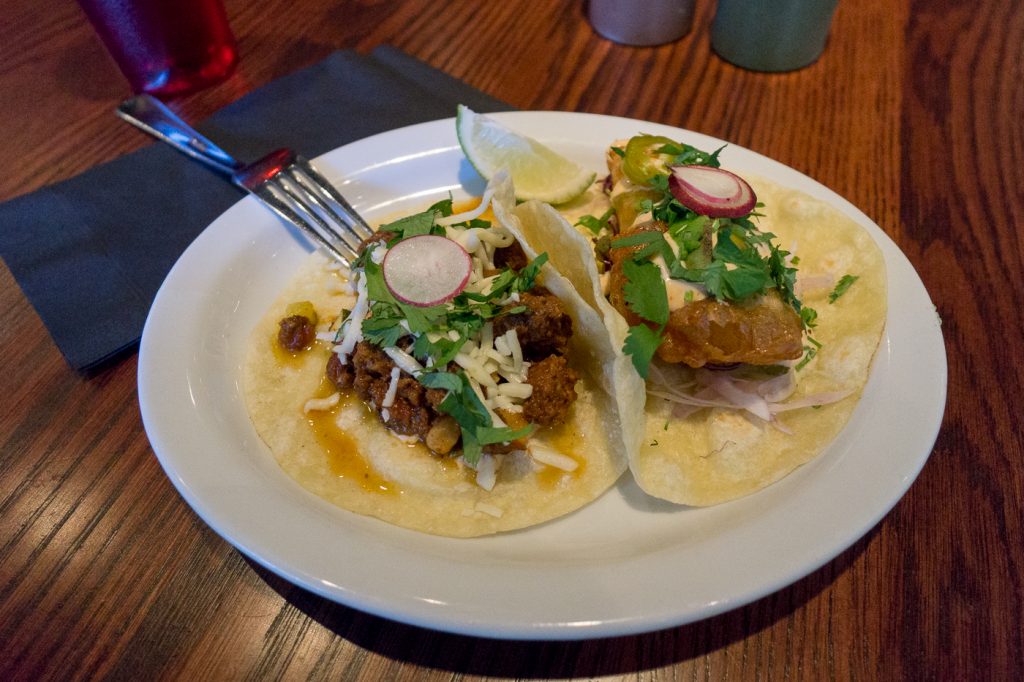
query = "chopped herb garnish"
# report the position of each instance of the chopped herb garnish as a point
(809, 352)
(844, 283)
(684, 154)
(595, 225)
(730, 257)
(439, 332)
(487, 435)
(641, 344)
(444, 207)
(645, 291)
(413, 225)
(809, 316)
(448, 381)
(637, 239)
(528, 275)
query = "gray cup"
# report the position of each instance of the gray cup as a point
(771, 35)
(641, 22)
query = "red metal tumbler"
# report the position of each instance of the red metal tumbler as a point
(166, 47)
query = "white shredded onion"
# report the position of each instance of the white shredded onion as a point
(762, 399)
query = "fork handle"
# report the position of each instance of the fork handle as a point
(152, 116)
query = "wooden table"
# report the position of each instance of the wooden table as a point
(913, 113)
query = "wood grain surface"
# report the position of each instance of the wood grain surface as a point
(914, 113)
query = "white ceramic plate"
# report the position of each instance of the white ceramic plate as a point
(625, 563)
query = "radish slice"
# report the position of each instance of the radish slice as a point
(713, 192)
(426, 270)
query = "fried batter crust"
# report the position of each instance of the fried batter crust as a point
(762, 331)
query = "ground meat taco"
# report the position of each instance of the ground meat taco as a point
(752, 311)
(451, 382)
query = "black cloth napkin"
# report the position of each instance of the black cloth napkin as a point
(91, 252)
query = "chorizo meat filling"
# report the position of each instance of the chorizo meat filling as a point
(450, 381)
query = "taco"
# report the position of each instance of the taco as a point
(754, 356)
(451, 382)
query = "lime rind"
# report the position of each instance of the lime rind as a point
(537, 171)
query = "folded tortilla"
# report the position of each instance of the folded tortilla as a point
(715, 454)
(346, 456)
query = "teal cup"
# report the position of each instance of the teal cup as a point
(771, 35)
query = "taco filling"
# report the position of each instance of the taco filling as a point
(477, 373)
(753, 354)
(450, 381)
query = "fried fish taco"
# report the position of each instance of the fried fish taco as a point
(754, 355)
(451, 382)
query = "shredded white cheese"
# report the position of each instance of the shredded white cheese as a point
(389, 396)
(321, 403)
(354, 324)
(489, 509)
(517, 351)
(516, 390)
(551, 457)
(485, 202)
(405, 361)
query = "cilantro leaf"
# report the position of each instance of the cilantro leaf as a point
(809, 352)
(376, 289)
(744, 281)
(471, 449)
(528, 275)
(687, 155)
(809, 316)
(382, 330)
(413, 225)
(595, 225)
(641, 344)
(421, 319)
(448, 381)
(645, 291)
(465, 407)
(485, 435)
(441, 352)
(444, 207)
(711, 277)
(844, 283)
(637, 239)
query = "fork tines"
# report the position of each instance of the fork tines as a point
(305, 198)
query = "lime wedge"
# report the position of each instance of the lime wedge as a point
(537, 171)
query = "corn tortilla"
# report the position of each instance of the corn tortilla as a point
(715, 455)
(365, 469)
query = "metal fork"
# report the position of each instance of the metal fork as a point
(283, 181)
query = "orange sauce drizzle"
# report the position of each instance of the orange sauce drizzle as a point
(469, 205)
(341, 449)
(569, 442)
